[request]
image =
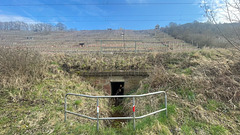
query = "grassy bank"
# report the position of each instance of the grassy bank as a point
(202, 87)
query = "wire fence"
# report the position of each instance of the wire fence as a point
(99, 46)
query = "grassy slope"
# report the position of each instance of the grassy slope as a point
(195, 91)
(194, 107)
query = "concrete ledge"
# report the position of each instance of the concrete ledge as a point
(122, 73)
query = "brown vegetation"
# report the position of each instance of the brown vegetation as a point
(212, 73)
(20, 68)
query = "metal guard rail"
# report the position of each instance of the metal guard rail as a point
(114, 118)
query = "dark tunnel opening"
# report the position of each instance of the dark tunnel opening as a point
(117, 88)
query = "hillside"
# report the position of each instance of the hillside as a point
(68, 41)
(202, 88)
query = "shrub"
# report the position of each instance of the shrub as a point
(20, 68)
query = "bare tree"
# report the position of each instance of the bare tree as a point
(225, 11)
(60, 27)
(157, 27)
(38, 27)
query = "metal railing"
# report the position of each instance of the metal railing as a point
(114, 118)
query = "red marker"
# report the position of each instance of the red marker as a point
(97, 109)
(133, 108)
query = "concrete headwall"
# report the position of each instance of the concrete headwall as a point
(104, 82)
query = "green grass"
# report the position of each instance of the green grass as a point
(218, 130)
(187, 71)
(186, 93)
(148, 108)
(238, 117)
(79, 129)
(212, 105)
(115, 109)
(4, 120)
(53, 63)
(146, 86)
(169, 119)
(143, 123)
(191, 126)
(144, 90)
(187, 130)
(77, 102)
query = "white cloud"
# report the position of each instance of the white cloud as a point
(8, 18)
(224, 10)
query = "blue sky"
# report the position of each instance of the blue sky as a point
(102, 14)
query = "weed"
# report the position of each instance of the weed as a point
(115, 109)
(4, 120)
(206, 54)
(84, 128)
(218, 130)
(60, 68)
(77, 102)
(212, 105)
(190, 125)
(43, 121)
(143, 123)
(146, 86)
(168, 120)
(171, 66)
(148, 108)
(53, 63)
(187, 71)
(191, 54)
(144, 89)
(186, 93)
(187, 130)
(238, 117)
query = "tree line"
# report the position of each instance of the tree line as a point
(202, 34)
(36, 27)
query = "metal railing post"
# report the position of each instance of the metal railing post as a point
(134, 113)
(65, 108)
(166, 102)
(97, 115)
